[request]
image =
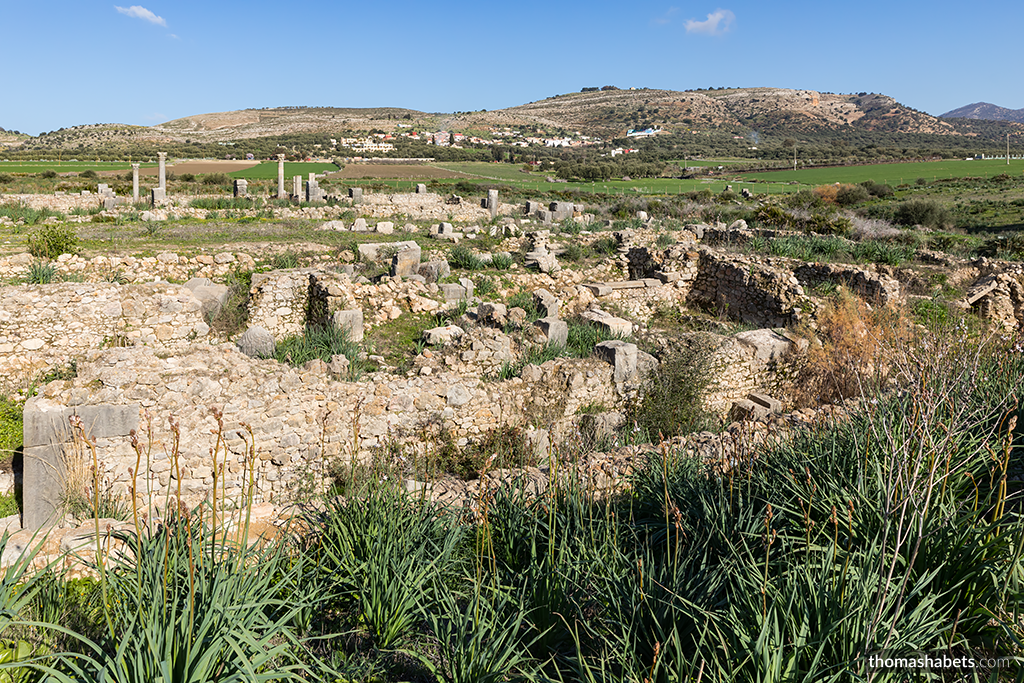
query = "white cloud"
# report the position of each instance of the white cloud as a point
(717, 23)
(140, 12)
(666, 17)
(171, 35)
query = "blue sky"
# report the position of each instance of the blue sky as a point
(71, 62)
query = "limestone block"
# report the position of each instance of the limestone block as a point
(622, 356)
(773, 405)
(745, 409)
(554, 330)
(493, 314)
(351, 321)
(766, 344)
(406, 262)
(385, 227)
(256, 342)
(547, 303)
(442, 335)
(434, 270)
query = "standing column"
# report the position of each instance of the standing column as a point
(135, 182)
(163, 170)
(281, 194)
(297, 183)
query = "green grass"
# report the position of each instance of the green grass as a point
(66, 167)
(893, 174)
(268, 169)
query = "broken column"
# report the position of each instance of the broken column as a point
(241, 187)
(492, 202)
(281, 194)
(162, 184)
(297, 187)
(356, 193)
(421, 188)
(135, 182)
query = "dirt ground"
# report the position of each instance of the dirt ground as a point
(214, 166)
(401, 171)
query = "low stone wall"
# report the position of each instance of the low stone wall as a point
(746, 290)
(46, 326)
(297, 423)
(129, 269)
(874, 287)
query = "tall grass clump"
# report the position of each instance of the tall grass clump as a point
(16, 211)
(319, 342)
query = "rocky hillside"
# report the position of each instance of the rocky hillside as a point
(985, 112)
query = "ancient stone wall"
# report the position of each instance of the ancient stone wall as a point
(45, 326)
(745, 290)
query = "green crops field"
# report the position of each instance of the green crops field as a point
(268, 170)
(65, 167)
(510, 174)
(894, 174)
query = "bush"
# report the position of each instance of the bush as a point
(187, 177)
(216, 179)
(926, 212)
(49, 174)
(502, 261)
(88, 173)
(673, 398)
(849, 195)
(51, 241)
(6, 178)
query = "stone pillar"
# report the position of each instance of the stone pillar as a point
(135, 182)
(356, 193)
(48, 439)
(281, 194)
(421, 188)
(297, 186)
(163, 170)
(158, 196)
(492, 202)
(241, 187)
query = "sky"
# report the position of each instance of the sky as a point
(74, 62)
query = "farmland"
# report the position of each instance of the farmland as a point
(66, 167)
(268, 170)
(893, 174)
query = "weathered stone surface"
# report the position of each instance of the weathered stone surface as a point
(774, 405)
(768, 345)
(434, 270)
(256, 342)
(610, 323)
(351, 321)
(406, 262)
(547, 303)
(493, 314)
(371, 251)
(554, 330)
(621, 355)
(442, 335)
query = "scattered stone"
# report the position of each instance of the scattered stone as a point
(256, 342)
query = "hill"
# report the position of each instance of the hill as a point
(986, 112)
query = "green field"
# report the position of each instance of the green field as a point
(893, 174)
(267, 170)
(65, 167)
(512, 175)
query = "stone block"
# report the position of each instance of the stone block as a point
(359, 225)
(493, 314)
(746, 410)
(241, 187)
(598, 289)
(371, 251)
(421, 188)
(773, 405)
(554, 330)
(351, 321)
(356, 194)
(766, 344)
(434, 270)
(453, 292)
(547, 303)
(442, 335)
(406, 262)
(158, 196)
(622, 356)
(385, 227)
(256, 342)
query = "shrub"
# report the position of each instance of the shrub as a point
(6, 178)
(215, 179)
(926, 212)
(187, 177)
(673, 397)
(826, 193)
(322, 343)
(51, 241)
(848, 195)
(49, 174)
(88, 173)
